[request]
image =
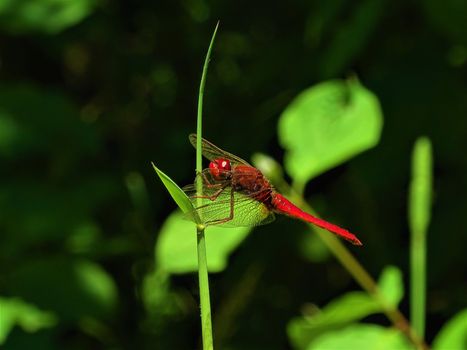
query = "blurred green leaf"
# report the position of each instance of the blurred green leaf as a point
(268, 166)
(14, 311)
(176, 245)
(158, 299)
(391, 285)
(33, 213)
(44, 16)
(313, 248)
(326, 125)
(9, 133)
(351, 36)
(178, 195)
(71, 288)
(448, 16)
(35, 120)
(453, 335)
(350, 307)
(362, 337)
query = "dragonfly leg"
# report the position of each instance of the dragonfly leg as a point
(214, 196)
(206, 181)
(231, 214)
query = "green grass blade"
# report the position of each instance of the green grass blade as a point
(178, 195)
(199, 124)
(419, 218)
(205, 303)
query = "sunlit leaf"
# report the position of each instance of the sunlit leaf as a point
(326, 125)
(178, 195)
(14, 311)
(176, 245)
(45, 16)
(391, 285)
(453, 335)
(362, 337)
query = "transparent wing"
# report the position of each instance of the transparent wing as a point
(225, 207)
(209, 183)
(211, 151)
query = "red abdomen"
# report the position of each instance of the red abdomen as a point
(282, 205)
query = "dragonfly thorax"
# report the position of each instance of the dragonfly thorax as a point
(219, 168)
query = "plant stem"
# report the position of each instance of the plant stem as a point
(206, 324)
(419, 219)
(362, 277)
(418, 282)
(203, 277)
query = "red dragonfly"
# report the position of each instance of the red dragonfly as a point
(237, 194)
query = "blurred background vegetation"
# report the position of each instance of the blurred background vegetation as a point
(92, 91)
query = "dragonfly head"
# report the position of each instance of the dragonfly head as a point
(219, 168)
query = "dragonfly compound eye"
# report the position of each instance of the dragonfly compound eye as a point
(219, 167)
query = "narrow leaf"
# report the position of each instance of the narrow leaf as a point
(178, 195)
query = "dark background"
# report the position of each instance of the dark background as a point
(87, 104)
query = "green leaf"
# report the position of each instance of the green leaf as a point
(45, 16)
(9, 133)
(88, 290)
(35, 120)
(176, 245)
(326, 125)
(313, 248)
(269, 167)
(178, 195)
(14, 311)
(158, 299)
(362, 337)
(348, 308)
(453, 335)
(391, 285)
(350, 37)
